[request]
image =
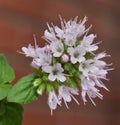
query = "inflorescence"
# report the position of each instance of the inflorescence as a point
(68, 63)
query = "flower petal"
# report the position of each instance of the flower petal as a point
(52, 77)
(47, 69)
(61, 77)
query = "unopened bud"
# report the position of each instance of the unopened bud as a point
(49, 88)
(37, 82)
(41, 89)
(65, 58)
(45, 78)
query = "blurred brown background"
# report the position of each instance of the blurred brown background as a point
(20, 19)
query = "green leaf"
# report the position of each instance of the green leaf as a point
(10, 114)
(4, 89)
(23, 91)
(6, 72)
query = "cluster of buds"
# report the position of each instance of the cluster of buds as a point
(67, 63)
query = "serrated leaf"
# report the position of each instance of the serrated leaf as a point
(6, 72)
(11, 114)
(4, 89)
(23, 91)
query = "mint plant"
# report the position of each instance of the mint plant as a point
(10, 112)
(67, 66)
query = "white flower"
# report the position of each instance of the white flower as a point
(57, 48)
(88, 87)
(86, 42)
(53, 101)
(88, 67)
(30, 51)
(93, 69)
(59, 32)
(98, 82)
(101, 55)
(43, 59)
(101, 64)
(41, 56)
(73, 30)
(93, 66)
(70, 39)
(55, 72)
(67, 94)
(69, 31)
(74, 27)
(77, 54)
(50, 35)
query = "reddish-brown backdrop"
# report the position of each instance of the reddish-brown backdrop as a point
(20, 19)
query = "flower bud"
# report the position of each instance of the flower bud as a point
(41, 89)
(37, 82)
(65, 58)
(45, 78)
(49, 88)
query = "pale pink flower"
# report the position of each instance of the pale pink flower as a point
(57, 48)
(55, 72)
(29, 51)
(65, 58)
(76, 54)
(86, 43)
(53, 101)
(88, 88)
(66, 93)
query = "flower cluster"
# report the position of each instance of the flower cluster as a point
(67, 62)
